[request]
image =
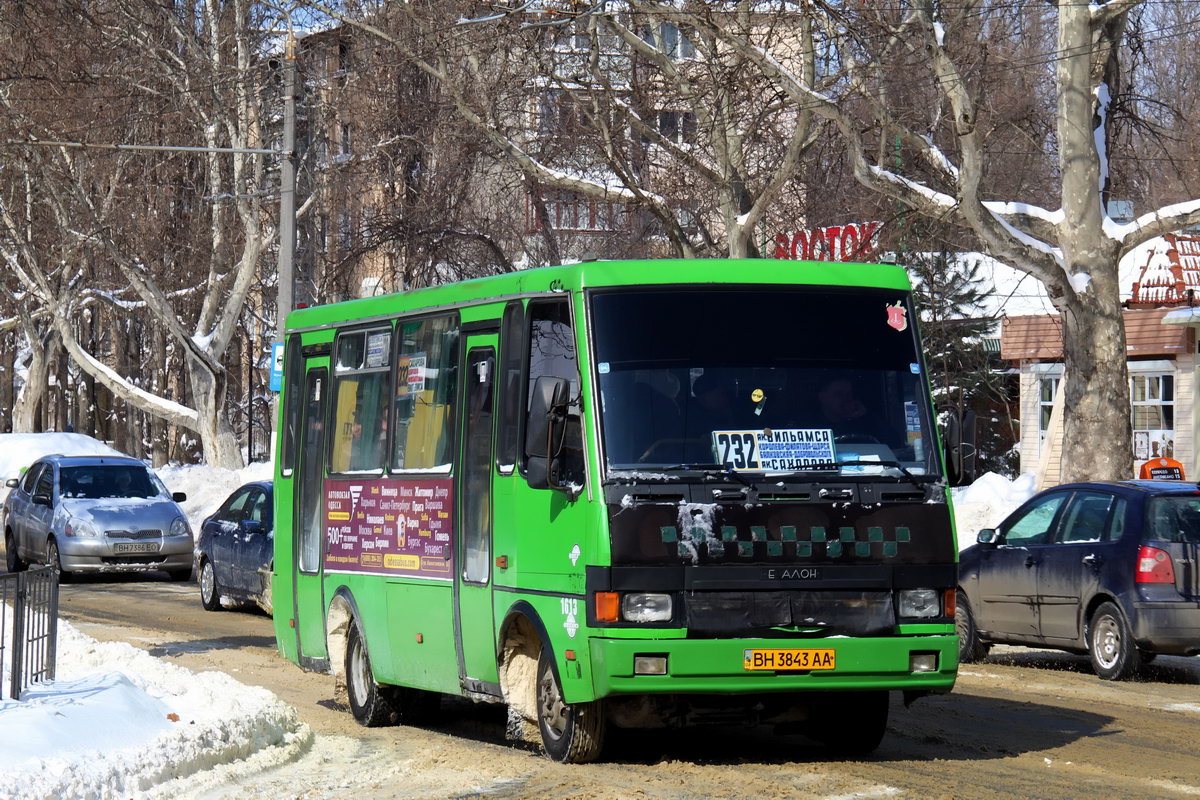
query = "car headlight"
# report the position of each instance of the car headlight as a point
(920, 603)
(645, 607)
(180, 527)
(79, 527)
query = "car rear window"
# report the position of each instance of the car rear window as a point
(1173, 519)
(115, 480)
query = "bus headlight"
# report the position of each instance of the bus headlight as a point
(645, 607)
(919, 603)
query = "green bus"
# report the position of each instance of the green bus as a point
(623, 494)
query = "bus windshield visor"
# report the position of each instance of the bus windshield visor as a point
(778, 380)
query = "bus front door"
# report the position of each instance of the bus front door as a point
(308, 598)
(473, 623)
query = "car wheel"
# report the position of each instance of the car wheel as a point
(55, 561)
(572, 734)
(12, 561)
(210, 593)
(370, 703)
(853, 724)
(970, 646)
(1110, 644)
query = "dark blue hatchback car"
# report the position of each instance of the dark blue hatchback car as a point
(1107, 569)
(235, 551)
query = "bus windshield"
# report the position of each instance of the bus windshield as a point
(771, 380)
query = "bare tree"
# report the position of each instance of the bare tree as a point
(191, 73)
(1073, 250)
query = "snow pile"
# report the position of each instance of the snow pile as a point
(118, 722)
(19, 450)
(986, 502)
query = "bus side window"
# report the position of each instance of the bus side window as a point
(293, 370)
(512, 351)
(424, 392)
(362, 372)
(552, 353)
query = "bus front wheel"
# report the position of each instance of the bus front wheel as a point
(370, 703)
(572, 734)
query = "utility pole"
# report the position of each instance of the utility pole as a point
(287, 192)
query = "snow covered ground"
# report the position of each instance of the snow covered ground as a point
(119, 723)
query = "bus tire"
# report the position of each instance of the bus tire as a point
(370, 703)
(970, 647)
(853, 723)
(572, 734)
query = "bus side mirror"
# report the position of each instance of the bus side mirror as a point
(544, 429)
(959, 440)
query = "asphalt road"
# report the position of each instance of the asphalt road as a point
(1023, 723)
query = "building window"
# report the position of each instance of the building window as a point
(677, 126)
(1153, 399)
(568, 211)
(1049, 387)
(671, 39)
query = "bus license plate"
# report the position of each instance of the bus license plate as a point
(789, 659)
(136, 547)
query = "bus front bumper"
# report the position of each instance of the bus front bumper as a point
(717, 666)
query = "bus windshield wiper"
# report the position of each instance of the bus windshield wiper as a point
(831, 466)
(714, 471)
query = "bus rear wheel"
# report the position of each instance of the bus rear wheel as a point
(370, 703)
(572, 734)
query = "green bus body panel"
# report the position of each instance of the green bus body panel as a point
(414, 608)
(548, 539)
(715, 665)
(596, 274)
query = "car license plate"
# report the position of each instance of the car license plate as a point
(136, 547)
(773, 659)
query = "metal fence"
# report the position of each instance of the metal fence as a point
(28, 628)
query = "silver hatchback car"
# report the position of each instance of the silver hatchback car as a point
(95, 514)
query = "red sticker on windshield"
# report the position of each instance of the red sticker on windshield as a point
(897, 316)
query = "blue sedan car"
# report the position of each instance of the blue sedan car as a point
(1107, 569)
(235, 552)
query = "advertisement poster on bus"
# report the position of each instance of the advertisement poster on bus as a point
(386, 526)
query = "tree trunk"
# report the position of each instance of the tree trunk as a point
(218, 442)
(26, 410)
(7, 400)
(158, 426)
(1096, 391)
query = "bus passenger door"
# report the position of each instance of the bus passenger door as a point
(308, 573)
(473, 624)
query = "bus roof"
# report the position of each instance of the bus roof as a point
(596, 274)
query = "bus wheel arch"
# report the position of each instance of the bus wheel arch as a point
(519, 646)
(343, 612)
(532, 688)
